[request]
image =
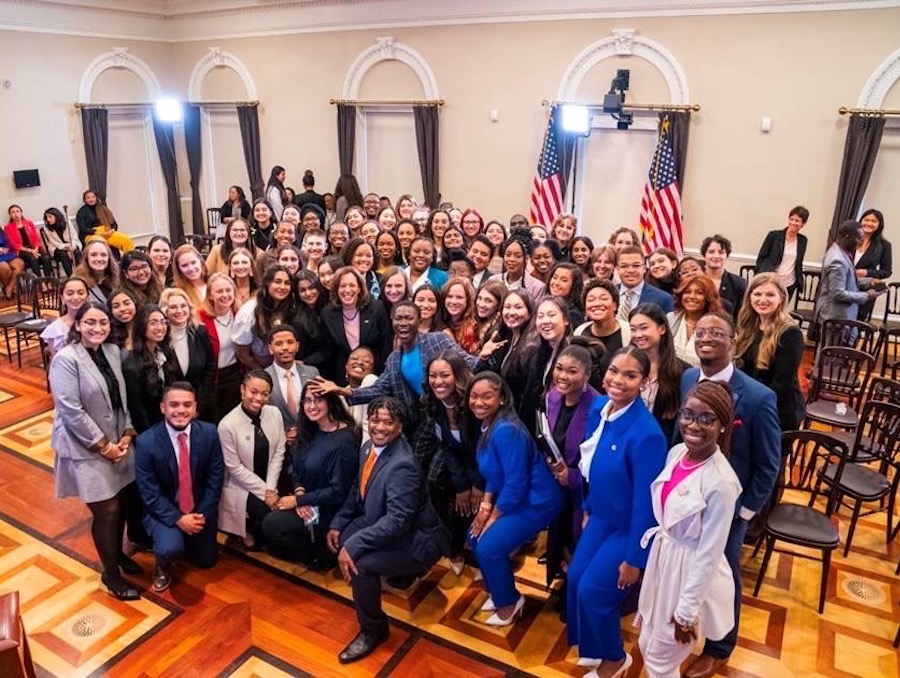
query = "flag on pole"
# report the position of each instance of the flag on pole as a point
(549, 189)
(661, 216)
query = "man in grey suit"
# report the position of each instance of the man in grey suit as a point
(840, 293)
(387, 525)
(289, 376)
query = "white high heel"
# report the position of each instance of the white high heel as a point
(588, 662)
(496, 620)
(629, 660)
(489, 605)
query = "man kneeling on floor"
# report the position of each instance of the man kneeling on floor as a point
(386, 527)
(180, 471)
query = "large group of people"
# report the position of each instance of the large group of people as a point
(348, 382)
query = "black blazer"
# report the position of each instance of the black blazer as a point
(781, 376)
(396, 512)
(202, 363)
(667, 424)
(877, 259)
(732, 293)
(310, 197)
(156, 469)
(374, 332)
(225, 209)
(143, 401)
(772, 251)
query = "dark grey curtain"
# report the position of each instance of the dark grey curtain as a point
(165, 146)
(95, 127)
(248, 116)
(346, 129)
(566, 148)
(860, 151)
(195, 163)
(679, 129)
(428, 136)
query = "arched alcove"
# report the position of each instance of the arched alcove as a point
(216, 58)
(387, 49)
(880, 82)
(117, 57)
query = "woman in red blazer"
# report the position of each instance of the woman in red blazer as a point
(25, 241)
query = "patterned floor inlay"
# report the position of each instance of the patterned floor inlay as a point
(30, 439)
(74, 627)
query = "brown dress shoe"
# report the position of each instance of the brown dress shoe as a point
(704, 666)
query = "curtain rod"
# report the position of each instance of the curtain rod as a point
(189, 103)
(388, 102)
(843, 110)
(627, 106)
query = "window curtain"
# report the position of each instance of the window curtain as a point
(346, 129)
(195, 163)
(165, 146)
(679, 129)
(860, 150)
(248, 117)
(427, 121)
(95, 128)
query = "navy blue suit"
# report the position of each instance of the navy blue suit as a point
(755, 457)
(157, 480)
(654, 295)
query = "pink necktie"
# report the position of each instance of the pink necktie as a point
(293, 406)
(185, 487)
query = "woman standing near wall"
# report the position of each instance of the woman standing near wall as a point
(783, 251)
(873, 257)
(275, 192)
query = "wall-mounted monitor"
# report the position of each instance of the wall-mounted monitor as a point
(26, 178)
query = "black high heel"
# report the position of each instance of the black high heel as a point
(120, 589)
(128, 565)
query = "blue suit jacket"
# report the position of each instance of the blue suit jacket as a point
(756, 438)
(157, 472)
(654, 295)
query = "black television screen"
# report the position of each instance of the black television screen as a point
(26, 178)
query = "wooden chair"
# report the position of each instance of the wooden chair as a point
(24, 310)
(214, 226)
(747, 271)
(54, 263)
(842, 375)
(851, 333)
(807, 292)
(15, 655)
(811, 453)
(860, 446)
(45, 302)
(863, 484)
(891, 317)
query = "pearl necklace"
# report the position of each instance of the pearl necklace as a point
(691, 467)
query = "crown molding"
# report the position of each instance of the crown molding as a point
(189, 20)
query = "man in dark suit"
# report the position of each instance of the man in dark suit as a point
(180, 471)
(386, 527)
(633, 292)
(755, 456)
(289, 377)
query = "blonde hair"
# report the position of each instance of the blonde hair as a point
(208, 304)
(170, 292)
(748, 325)
(178, 277)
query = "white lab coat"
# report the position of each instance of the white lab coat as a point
(687, 573)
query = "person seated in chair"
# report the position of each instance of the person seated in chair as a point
(386, 527)
(180, 471)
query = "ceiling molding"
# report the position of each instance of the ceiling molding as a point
(189, 20)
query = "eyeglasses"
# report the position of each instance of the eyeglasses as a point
(138, 268)
(157, 323)
(95, 323)
(713, 333)
(704, 419)
(312, 400)
(471, 222)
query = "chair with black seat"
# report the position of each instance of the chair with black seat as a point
(747, 271)
(880, 388)
(46, 303)
(806, 295)
(24, 309)
(54, 262)
(214, 226)
(202, 243)
(850, 333)
(810, 454)
(862, 483)
(891, 317)
(841, 376)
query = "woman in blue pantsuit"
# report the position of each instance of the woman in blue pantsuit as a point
(620, 458)
(521, 496)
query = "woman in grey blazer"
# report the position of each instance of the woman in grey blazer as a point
(92, 439)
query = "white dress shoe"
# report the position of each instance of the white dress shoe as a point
(588, 662)
(629, 660)
(489, 605)
(496, 620)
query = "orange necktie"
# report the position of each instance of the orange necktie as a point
(366, 472)
(293, 406)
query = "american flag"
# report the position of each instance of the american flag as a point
(661, 217)
(549, 189)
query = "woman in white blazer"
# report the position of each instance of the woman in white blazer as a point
(252, 437)
(688, 589)
(92, 439)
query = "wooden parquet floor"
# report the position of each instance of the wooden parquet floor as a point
(255, 616)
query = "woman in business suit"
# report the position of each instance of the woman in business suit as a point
(715, 250)
(873, 256)
(217, 317)
(149, 368)
(252, 437)
(354, 319)
(783, 250)
(521, 497)
(769, 346)
(196, 361)
(693, 299)
(91, 438)
(621, 457)
(325, 464)
(275, 303)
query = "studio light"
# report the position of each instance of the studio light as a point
(576, 119)
(168, 110)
